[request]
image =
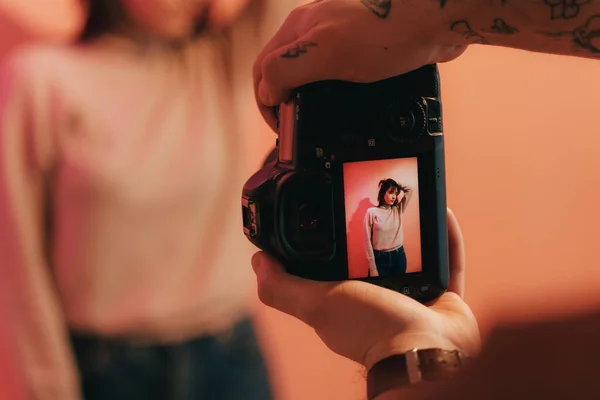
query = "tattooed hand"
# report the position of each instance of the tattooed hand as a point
(354, 40)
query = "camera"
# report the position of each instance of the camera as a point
(355, 187)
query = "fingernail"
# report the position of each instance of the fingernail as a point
(257, 260)
(263, 94)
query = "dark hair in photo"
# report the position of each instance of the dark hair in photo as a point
(384, 186)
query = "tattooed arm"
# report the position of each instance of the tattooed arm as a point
(370, 40)
(566, 27)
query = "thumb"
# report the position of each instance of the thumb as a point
(289, 294)
(456, 248)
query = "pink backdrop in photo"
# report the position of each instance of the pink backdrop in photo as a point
(361, 180)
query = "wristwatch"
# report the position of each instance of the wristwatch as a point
(415, 366)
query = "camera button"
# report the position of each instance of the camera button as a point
(434, 124)
(434, 116)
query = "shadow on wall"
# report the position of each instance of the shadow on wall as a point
(356, 229)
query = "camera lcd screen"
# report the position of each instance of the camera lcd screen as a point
(383, 230)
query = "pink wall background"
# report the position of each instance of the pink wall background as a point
(361, 180)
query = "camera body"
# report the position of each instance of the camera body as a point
(313, 206)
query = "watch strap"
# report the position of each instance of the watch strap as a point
(412, 367)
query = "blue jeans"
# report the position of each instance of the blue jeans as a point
(390, 263)
(230, 367)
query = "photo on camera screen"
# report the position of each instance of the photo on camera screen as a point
(382, 218)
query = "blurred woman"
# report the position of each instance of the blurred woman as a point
(384, 233)
(123, 263)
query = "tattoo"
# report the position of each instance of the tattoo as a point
(585, 37)
(502, 27)
(565, 9)
(381, 8)
(588, 35)
(463, 28)
(298, 50)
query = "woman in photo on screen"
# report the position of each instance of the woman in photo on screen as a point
(384, 233)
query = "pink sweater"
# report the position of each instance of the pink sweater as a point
(383, 231)
(120, 183)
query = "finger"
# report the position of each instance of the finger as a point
(287, 33)
(449, 53)
(289, 294)
(269, 114)
(284, 70)
(457, 255)
(297, 63)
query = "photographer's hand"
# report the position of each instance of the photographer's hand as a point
(369, 40)
(367, 323)
(354, 40)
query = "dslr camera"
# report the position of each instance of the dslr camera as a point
(355, 188)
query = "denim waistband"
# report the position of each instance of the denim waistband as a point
(85, 338)
(399, 250)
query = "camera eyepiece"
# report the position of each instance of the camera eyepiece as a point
(308, 217)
